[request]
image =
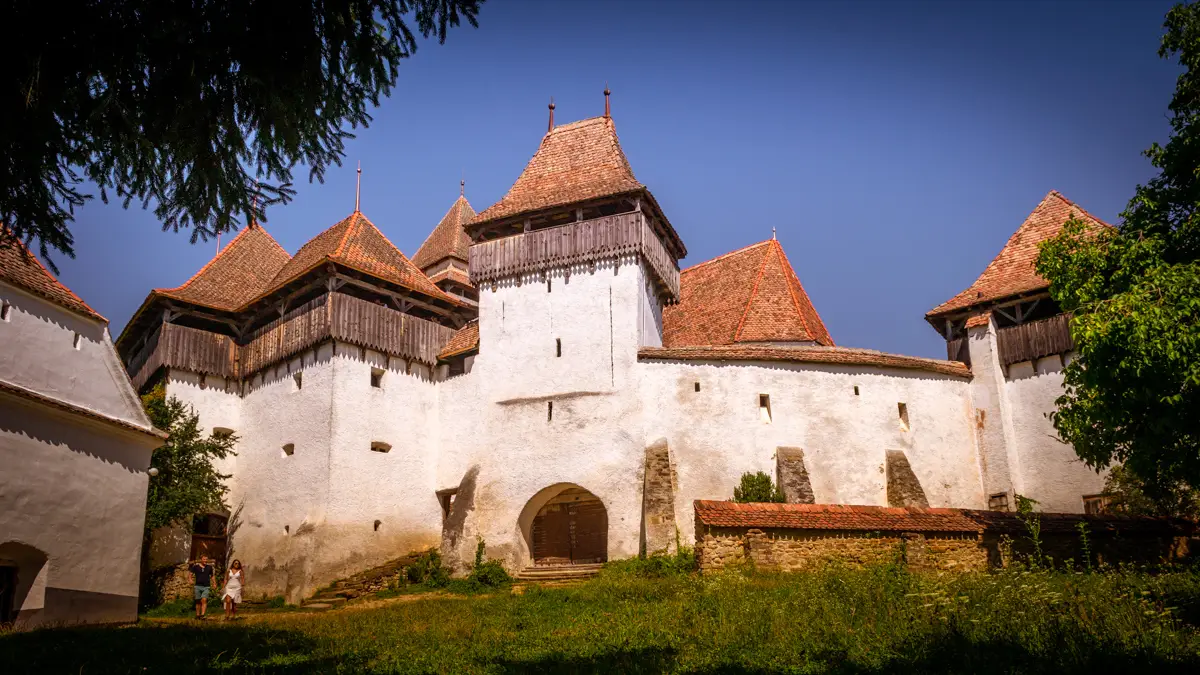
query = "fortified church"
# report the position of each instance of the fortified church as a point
(541, 375)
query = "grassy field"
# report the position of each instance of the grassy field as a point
(878, 620)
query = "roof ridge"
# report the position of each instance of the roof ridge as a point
(824, 329)
(22, 249)
(346, 235)
(753, 292)
(210, 263)
(1069, 202)
(723, 256)
(791, 291)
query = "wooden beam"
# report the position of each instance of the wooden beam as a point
(396, 296)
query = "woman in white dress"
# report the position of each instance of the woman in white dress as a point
(235, 578)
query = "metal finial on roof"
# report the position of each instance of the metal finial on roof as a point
(551, 127)
(607, 109)
(358, 187)
(462, 187)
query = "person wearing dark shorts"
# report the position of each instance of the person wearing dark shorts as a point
(203, 573)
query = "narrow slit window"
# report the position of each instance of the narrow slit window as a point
(380, 446)
(299, 378)
(78, 341)
(5, 310)
(549, 411)
(287, 529)
(288, 449)
(547, 285)
(377, 524)
(764, 407)
(697, 386)
(902, 408)
(558, 346)
(856, 390)
(377, 378)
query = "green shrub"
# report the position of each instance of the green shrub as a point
(276, 602)
(757, 487)
(173, 608)
(427, 570)
(655, 566)
(488, 573)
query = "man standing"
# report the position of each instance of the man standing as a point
(203, 573)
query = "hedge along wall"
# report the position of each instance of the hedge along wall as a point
(792, 537)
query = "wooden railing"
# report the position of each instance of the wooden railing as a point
(333, 316)
(1035, 339)
(958, 349)
(579, 242)
(191, 349)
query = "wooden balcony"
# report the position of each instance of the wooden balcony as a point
(1033, 340)
(958, 349)
(333, 316)
(580, 242)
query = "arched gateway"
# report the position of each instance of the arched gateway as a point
(565, 524)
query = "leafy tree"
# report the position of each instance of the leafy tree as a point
(757, 488)
(203, 106)
(186, 484)
(1133, 396)
(1129, 495)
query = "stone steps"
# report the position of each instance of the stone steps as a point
(558, 573)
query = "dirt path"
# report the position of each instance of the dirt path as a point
(259, 616)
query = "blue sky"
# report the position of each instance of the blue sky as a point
(894, 146)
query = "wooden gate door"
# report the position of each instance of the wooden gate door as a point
(552, 536)
(589, 530)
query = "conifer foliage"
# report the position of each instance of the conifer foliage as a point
(1133, 396)
(201, 107)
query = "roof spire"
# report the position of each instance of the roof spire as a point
(551, 127)
(254, 211)
(462, 185)
(772, 233)
(358, 187)
(607, 109)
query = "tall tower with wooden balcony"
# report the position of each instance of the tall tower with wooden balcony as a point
(1016, 340)
(573, 265)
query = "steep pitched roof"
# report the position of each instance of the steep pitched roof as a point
(575, 162)
(22, 269)
(453, 274)
(750, 295)
(465, 339)
(1011, 272)
(239, 273)
(448, 239)
(356, 243)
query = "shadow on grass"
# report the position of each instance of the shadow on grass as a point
(955, 654)
(174, 648)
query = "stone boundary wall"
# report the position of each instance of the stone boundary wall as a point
(794, 537)
(796, 550)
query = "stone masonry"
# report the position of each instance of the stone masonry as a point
(903, 488)
(792, 476)
(658, 500)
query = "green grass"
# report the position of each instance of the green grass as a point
(637, 620)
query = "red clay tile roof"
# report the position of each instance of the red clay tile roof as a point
(575, 162)
(833, 517)
(356, 243)
(448, 239)
(750, 295)
(454, 274)
(22, 269)
(466, 339)
(832, 355)
(239, 273)
(1011, 272)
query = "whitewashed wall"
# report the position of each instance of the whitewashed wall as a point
(718, 433)
(1050, 471)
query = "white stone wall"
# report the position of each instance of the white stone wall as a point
(718, 433)
(39, 354)
(72, 488)
(1050, 471)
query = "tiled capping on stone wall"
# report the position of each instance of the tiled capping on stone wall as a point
(791, 550)
(791, 537)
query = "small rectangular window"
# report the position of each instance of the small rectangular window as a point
(299, 378)
(764, 407)
(998, 502)
(547, 285)
(5, 310)
(697, 386)
(902, 408)
(288, 449)
(377, 378)
(856, 390)
(549, 411)
(558, 346)
(380, 446)
(78, 340)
